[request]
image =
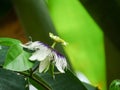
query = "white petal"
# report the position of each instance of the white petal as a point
(64, 63)
(44, 65)
(32, 45)
(40, 54)
(23, 45)
(34, 56)
(35, 45)
(60, 63)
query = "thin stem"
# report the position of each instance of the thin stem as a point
(53, 45)
(57, 72)
(35, 68)
(41, 83)
(25, 74)
(31, 72)
(36, 80)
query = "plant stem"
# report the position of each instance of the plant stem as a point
(34, 69)
(41, 83)
(24, 73)
(53, 45)
(35, 79)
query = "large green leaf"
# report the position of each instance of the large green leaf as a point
(16, 58)
(12, 81)
(65, 81)
(35, 18)
(85, 38)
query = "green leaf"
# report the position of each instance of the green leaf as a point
(35, 18)
(65, 81)
(3, 51)
(8, 41)
(12, 81)
(16, 58)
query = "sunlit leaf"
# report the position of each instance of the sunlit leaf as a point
(16, 58)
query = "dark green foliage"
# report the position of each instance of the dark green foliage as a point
(10, 80)
(5, 6)
(65, 81)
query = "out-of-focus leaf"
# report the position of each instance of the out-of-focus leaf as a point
(115, 85)
(11, 81)
(5, 6)
(3, 53)
(107, 15)
(16, 58)
(35, 18)
(85, 38)
(90, 87)
(65, 81)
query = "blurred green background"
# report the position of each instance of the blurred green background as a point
(85, 38)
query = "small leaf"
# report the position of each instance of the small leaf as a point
(16, 58)
(11, 81)
(115, 85)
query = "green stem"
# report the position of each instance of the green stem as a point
(57, 72)
(53, 45)
(41, 83)
(25, 74)
(35, 68)
(36, 80)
